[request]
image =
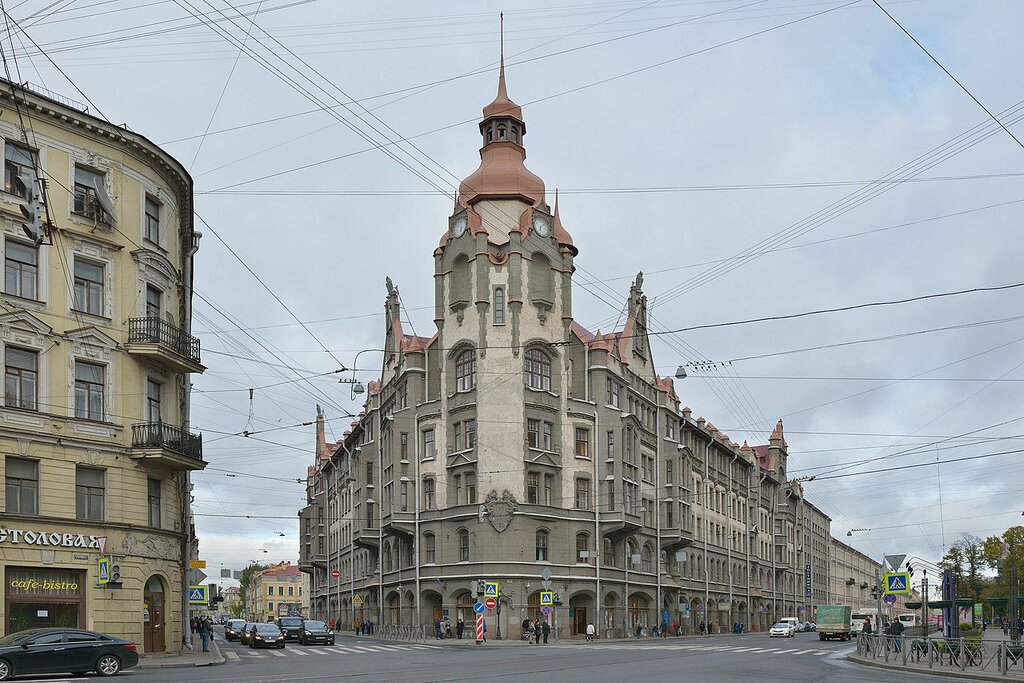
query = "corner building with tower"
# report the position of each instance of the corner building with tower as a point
(514, 445)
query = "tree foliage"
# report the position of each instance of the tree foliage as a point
(1006, 552)
(966, 557)
(247, 578)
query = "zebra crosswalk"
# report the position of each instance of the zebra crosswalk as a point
(737, 649)
(343, 649)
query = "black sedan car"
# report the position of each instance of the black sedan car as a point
(245, 637)
(266, 635)
(233, 629)
(60, 650)
(290, 626)
(314, 633)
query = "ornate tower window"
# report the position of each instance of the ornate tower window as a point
(465, 370)
(537, 370)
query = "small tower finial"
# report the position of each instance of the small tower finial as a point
(501, 51)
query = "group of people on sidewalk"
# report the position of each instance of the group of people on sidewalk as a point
(443, 628)
(204, 627)
(534, 630)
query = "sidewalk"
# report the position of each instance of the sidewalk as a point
(194, 657)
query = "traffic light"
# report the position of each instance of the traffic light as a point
(480, 587)
(115, 573)
(557, 599)
(31, 205)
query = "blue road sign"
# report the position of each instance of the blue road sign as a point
(197, 595)
(889, 599)
(479, 608)
(897, 583)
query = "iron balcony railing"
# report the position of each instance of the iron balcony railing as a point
(152, 330)
(171, 437)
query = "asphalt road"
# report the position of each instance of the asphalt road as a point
(722, 659)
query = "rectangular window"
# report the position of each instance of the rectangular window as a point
(21, 484)
(582, 442)
(547, 489)
(458, 489)
(431, 549)
(429, 451)
(291, 590)
(85, 191)
(582, 494)
(471, 489)
(18, 161)
(457, 436)
(532, 488)
(270, 605)
(611, 495)
(499, 306)
(280, 590)
(89, 493)
(152, 401)
(542, 547)
(369, 515)
(153, 301)
(533, 433)
(470, 433)
(21, 269)
(669, 514)
(582, 548)
(668, 472)
(428, 494)
(89, 384)
(670, 427)
(88, 287)
(403, 445)
(369, 472)
(546, 442)
(152, 231)
(403, 496)
(154, 503)
(611, 445)
(613, 393)
(21, 378)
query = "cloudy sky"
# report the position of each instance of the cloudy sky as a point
(681, 134)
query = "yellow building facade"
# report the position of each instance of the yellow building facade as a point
(280, 591)
(95, 450)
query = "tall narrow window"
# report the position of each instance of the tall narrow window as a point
(403, 496)
(608, 552)
(463, 545)
(153, 297)
(532, 488)
(89, 383)
(370, 520)
(21, 484)
(499, 305)
(85, 191)
(537, 370)
(18, 161)
(613, 393)
(533, 433)
(154, 503)
(470, 488)
(611, 445)
(582, 494)
(546, 436)
(403, 445)
(428, 494)
(458, 489)
(429, 451)
(547, 489)
(457, 436)
(582, 442)
(465, 370)
(583, 548)
(21, 269)
(21, 378)
(470, 426)
(152, 232)
(153, 401)
(542, 546)
(369, 472)
(88, 287)
(430, 551)
(89, 493)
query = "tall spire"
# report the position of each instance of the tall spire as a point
(501, 51)
(502, 105)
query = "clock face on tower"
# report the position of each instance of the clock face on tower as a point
(459, 228)
(541, 225)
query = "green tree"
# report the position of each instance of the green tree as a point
(246, 580)
(1007, 551)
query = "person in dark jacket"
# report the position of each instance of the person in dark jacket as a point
(460, 626)
(537, 629)
(545, 629)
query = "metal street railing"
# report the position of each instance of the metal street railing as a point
(398, 632)
(975, 654)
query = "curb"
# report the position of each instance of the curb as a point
(931, 672)
(183, 661)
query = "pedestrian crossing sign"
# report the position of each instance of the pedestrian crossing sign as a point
(103, 571)
(491, 589)
(897, 583)
(547, 598)
(357, 600)
(198, 595)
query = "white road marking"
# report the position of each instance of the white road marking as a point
(803, 652)
(782, 652)
(278, 654)
(361, 649)
(301, 653)
(231, 655)
(818, 653)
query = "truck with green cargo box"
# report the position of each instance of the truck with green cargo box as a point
(833, 622)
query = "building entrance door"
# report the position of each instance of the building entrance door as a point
(153, 622)
(579, 621)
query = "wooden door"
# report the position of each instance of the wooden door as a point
(153, 622)
(579, 620)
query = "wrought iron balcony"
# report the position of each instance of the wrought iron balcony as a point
(151, 336)
(169, 444)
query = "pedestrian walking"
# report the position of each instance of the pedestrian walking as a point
(484, 622)
(639, 631)
(537, 632)
(206, 632)
(460, 626)
(448, 627)
(590, 633)
(675, 627)
(437, 629)
(664, 629)
(545, 629)
(701, 628)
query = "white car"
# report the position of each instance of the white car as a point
(782, 630)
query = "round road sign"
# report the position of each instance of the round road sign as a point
(335, 574)
(490, 603)
(479, 608)
(889, 599)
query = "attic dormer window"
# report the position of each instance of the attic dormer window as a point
(501, 131)
(515, 134)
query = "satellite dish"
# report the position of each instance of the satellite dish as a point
(104, 199)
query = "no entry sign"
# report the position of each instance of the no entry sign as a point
(490, 603)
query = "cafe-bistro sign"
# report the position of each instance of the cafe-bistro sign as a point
(45, 538)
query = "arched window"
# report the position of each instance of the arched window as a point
(465, 370)
(645, 559)
(490, 134)
(515, 134)
(583, 546)
(499, 305)
(501, 131)
(463, 545)
(429, 549)
(387, 557)
(537, 370)
(542, 546)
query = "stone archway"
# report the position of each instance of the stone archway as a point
(582, 611)
(393, 613)
(431, 608)
(696, 615)
(609, 614)
(742, 616)
(154, 622)
(409, 609)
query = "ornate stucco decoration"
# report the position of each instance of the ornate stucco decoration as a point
(500, 509)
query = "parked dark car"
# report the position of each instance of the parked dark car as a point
(246, 637)
(233, 629)
(61, 650)
(315, 632)
(266, 635)
(290, 626)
